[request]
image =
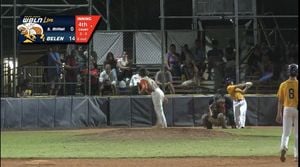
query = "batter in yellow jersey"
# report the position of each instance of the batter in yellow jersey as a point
(237, 92)
(287, 112)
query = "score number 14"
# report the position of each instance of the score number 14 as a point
(72, 38)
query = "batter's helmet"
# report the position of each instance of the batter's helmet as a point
(293, 70)
(228, 80)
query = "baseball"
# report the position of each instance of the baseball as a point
(249, 84)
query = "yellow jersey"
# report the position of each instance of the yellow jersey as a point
(235, 93)
(288, 93)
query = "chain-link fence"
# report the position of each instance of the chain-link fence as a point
(143, 48)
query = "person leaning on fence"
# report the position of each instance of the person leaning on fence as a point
(108, 80)
(216, 114)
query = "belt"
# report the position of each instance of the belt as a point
(239, 100)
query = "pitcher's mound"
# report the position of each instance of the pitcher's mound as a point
(153, 133)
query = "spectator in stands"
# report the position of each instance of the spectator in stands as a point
(94, 73)
(108, 80)
(165, 78)
(110, 59)
(253, 61)
(284, 72)
(24, 87)
(43, 61)
(265, 49)
(94, 57)
(172, 60)
(82, 64)
(216, 61)
(266, 68)
(54, 74)
(133, 84)
(292, 53)
(80, 58)
(230, 58)
(192, 74)
(186, 58)
(124, 69)
(199, 55)
(71, 73)
(277, 58)
(90, 60)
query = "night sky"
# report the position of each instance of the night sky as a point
(143, 14)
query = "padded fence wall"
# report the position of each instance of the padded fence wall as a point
(131, 111)
(59, 112)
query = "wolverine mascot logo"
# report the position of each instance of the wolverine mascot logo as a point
(30, 32)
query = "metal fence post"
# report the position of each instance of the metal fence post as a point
(107, 15)
(254, 22)
(2, 60)
(89, 53)
(15, 49)
(236, 28)
(163, 40)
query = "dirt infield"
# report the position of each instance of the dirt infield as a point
(153, 162)
(153, 133)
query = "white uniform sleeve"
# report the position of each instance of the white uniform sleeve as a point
(114, 78)
(102, 76)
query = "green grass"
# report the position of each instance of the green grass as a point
(58, 144)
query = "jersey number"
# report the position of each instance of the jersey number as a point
(291, 93)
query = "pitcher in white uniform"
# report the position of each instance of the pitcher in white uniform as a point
(158, 97)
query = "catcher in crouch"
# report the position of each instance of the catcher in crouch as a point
(237, 92)
(148, 86)
(216, 113)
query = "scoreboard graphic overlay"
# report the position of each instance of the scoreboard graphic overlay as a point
(57, 29)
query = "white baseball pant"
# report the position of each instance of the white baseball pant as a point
(158, 98)
(239, 112)
(290, 117)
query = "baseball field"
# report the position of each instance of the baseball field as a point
(149, 147)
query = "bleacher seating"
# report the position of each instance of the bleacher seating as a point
(205, 87)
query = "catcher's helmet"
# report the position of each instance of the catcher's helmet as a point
(293, 70)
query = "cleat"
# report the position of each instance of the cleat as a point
(282, 155)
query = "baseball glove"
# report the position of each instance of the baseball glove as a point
(144, 87)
